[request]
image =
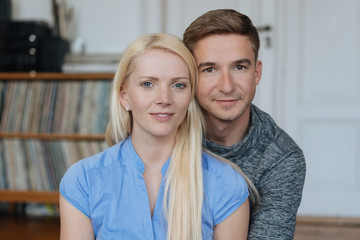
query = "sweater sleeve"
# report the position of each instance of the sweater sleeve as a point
(280, 192)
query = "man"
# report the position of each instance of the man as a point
(225, 45)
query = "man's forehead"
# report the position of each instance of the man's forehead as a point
(224, 47)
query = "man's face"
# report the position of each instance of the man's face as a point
(228, 75)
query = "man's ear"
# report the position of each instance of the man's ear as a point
(258, 71)
(123, 98)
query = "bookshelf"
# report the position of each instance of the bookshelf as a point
(48, 121)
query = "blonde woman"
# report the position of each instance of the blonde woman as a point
(154, 182)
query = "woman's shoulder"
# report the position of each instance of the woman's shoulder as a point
(98, 163)
(225, 188)
(101, 159)
(221, 172)
(214, 165)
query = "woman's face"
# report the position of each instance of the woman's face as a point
(158, 93)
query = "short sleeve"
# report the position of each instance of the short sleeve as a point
(232, 192)
(75, 188)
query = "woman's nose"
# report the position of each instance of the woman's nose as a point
(163, 96)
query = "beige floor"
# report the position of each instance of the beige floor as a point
(310, 228)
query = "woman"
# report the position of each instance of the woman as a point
(154, 182)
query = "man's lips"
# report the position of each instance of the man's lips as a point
(227, 102)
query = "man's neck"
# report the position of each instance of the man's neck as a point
(227, 133)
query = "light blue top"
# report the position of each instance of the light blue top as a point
(110, 189)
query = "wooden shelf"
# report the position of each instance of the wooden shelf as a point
(54, 76)
(29, 196)
(14, 196)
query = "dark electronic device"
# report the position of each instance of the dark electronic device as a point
(30, 45)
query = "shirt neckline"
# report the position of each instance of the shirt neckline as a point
(136, 160)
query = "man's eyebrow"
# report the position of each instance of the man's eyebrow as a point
(206, 64)
(243, 61)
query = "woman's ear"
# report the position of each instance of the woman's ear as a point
(124, 100)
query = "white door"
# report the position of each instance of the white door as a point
(319, 104)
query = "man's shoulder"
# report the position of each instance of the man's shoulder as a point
(269, 133)
(269, 147)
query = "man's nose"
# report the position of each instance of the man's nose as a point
(226, 83)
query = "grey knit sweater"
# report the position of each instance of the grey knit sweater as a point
(276, 166)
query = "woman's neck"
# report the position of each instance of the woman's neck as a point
(153, 151)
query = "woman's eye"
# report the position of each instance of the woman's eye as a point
(180, 85)
(146, 84)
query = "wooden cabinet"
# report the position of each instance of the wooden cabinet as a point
(48, 121)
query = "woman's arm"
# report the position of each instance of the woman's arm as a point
(236, 225)
(73, 223)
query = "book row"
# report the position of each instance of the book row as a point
(54, 106)
(38, 165)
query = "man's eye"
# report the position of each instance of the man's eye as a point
(209, 70)
(146, 84)
(240, 67)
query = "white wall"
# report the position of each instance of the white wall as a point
(39, 10)
(105, 26)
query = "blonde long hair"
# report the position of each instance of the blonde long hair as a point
(183, 197)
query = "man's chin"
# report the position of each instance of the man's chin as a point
(227, 115)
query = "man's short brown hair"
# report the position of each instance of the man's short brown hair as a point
(221, 21)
